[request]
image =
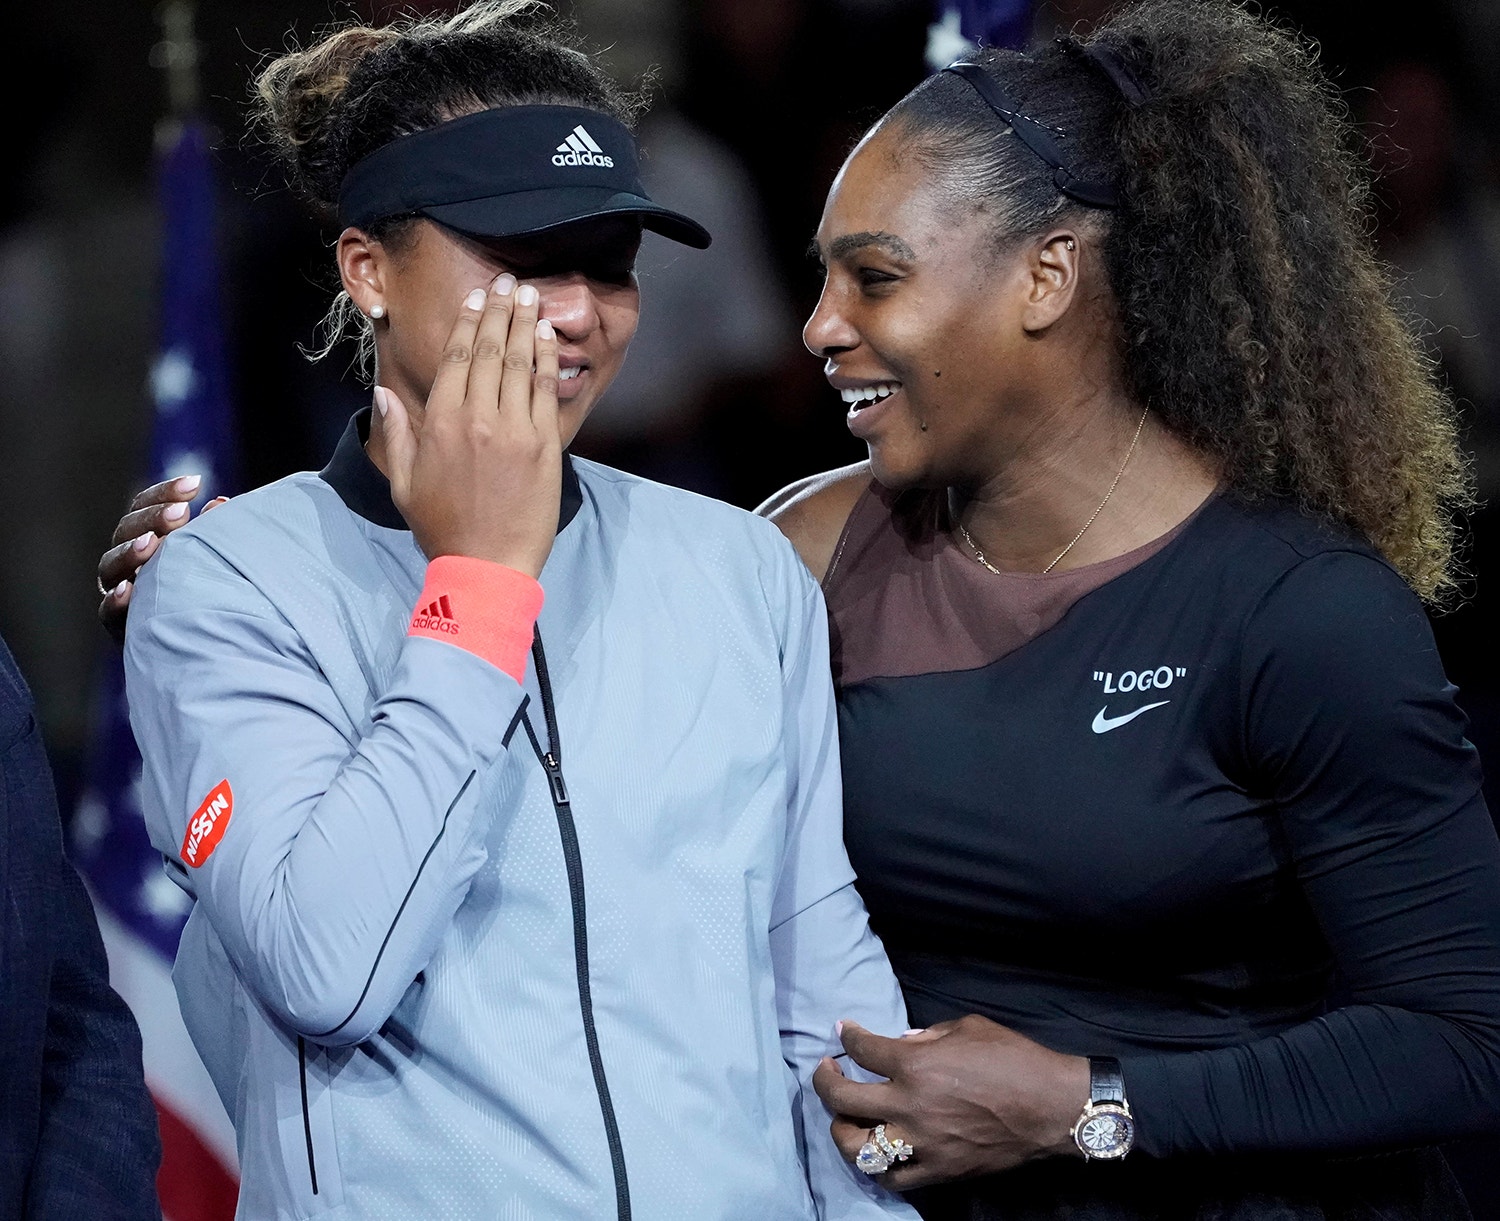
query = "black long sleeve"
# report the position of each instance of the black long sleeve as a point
(1210, 810)
(1351, 727)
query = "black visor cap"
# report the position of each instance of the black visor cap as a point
(510, 172)
(528, 212)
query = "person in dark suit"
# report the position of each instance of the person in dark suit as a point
(78, 1134)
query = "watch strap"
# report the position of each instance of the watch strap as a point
(1106, 1081)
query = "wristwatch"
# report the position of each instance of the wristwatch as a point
(1105, 1131)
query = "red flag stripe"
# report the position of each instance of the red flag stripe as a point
(192, 1183)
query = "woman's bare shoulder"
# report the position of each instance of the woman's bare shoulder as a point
(812, 512)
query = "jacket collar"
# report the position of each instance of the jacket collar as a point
(365, 491)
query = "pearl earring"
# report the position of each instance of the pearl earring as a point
(377, 311)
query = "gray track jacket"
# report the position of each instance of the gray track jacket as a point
(464, 947)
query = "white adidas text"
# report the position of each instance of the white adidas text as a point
(580, 148)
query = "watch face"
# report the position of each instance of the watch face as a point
(1106, 1133)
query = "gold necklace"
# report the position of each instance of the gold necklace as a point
(979, 555)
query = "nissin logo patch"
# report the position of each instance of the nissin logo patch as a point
(206, 827)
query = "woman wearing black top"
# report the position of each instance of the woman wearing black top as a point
(1149, 759)
(1150, 764)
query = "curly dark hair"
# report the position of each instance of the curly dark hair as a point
(358, 87)
(1254, 315)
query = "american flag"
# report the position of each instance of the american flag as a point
(959, 27)
(141, 910)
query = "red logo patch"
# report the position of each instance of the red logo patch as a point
(206, 827)
(436, 617)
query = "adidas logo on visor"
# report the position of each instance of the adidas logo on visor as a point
(580, 148)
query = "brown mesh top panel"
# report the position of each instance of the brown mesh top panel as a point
(904, 599)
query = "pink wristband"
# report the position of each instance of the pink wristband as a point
(483, 607)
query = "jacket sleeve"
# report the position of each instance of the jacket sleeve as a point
(1351, 728)
(829, 964)
(329, 856)
(99, 1148)
(78, 1135)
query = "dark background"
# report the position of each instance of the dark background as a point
(755, 103)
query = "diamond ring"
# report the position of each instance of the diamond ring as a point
(880, 1152)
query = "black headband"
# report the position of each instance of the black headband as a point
(1113, 65)
(1036, 137)
(508, 172)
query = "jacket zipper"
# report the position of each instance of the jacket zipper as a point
(551, 761)
(312, 1165)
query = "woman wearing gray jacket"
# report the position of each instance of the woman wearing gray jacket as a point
(505, 785)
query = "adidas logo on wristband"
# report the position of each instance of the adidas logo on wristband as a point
(436, 617)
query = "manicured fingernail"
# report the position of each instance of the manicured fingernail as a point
(380, 404)
(119, 590)
(142, 541)
(505, 285)
(544, 329)
(173, 512)
(526, 295)
(838, 1029)
(188, 483)
(475, 300)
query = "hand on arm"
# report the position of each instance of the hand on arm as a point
(970, 1096)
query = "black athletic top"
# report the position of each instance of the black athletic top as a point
(1208, 808)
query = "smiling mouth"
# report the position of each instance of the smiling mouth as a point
(857, 398)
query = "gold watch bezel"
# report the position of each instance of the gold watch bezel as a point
(1092, 1110)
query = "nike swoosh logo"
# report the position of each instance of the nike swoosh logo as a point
(1103, 724)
